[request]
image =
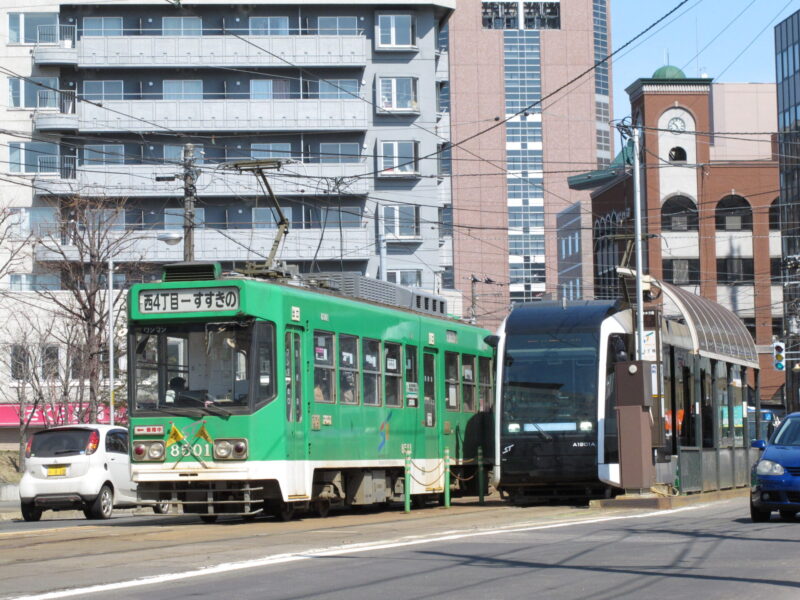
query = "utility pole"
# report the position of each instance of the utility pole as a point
(190, 174)
(637, 222)
(382, 275)
(473, 302)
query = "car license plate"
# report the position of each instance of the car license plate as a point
(56, 471)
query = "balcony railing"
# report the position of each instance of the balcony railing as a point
(58, 44)
(59, 175)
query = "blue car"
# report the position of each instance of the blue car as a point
(775, 481)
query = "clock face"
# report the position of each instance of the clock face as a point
(677, 125)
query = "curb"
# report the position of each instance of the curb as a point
(667, 502)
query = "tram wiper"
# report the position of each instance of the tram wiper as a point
(178, 412)
(546, 435)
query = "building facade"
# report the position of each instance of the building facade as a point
(787, 77)
(521, 133)
(104, 98)
(709, 186)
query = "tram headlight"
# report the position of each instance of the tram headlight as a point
(585, 426)
(148, 451)
(768, 467)
(230, 449)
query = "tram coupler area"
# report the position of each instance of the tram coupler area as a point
(211, 498)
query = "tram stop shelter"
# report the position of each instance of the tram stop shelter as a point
(708, 356)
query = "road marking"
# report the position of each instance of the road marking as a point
(278, 559)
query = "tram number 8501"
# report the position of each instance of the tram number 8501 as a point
(198, 449)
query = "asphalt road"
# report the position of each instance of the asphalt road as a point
(708, 552)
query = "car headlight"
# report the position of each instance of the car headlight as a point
(155, 451)
(230, 449)
(148, 451)
(768, 467)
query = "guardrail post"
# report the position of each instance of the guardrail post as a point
(407, 481)
(481, 475)
(447, 477)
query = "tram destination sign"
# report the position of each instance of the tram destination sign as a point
(188, 300)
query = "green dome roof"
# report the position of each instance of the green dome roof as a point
(669, 72)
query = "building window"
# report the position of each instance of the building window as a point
(270, 89)
(34, 282)
(396, 31)
(735, 271)
(102, 26)
(603, 139)
(271, 150)
(776, 270)
(269, 25)
(777, 327)
(775, 215)
(677, 154)
(337, 26)
(734, 214)
(339, 152)
(500, 15)
(408, 278)
(332, 89)
(33, 157)
(446, 221)
(102, 90)
(20, 362)
(398, 93)
(181, 26)
(444, 161)
(682, 271)
(49, 362)
(679, 213)
(104, 154)
(448, 278)
(401, 220)
(525, 244)
(33, 92)
(173, 153)
(33, 28)
(542, 15)
(398, 158)
(525, 216)
(182, 89)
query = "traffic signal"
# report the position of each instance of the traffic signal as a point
(779, 356)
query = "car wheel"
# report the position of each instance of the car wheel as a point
(162, 508)
(788, 515)
(103, 505)
(758, 515)
(30, 512)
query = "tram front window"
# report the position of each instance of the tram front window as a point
(550, 384)
(203, 366)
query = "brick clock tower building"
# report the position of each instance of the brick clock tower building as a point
(711, 214)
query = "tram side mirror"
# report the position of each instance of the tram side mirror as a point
(759, 444)
(492, 340)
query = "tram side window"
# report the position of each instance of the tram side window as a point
(266, 362)
(393, 375)
(372, 372)
(468, 382)
(323, 367)
(412, 377)
(451, 377)
(485, 383)
(348, 369)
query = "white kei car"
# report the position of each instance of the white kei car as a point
(83, 467)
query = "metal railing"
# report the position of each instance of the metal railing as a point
(63, 101)
(63, 166)
(63, 35)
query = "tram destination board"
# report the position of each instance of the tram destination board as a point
(188, 300)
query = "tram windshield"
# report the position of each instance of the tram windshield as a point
(550, 383)
(213, 368)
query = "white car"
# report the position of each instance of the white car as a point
(83, 467)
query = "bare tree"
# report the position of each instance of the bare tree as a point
(78, 249)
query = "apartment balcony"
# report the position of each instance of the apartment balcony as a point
(236, 245)
(60, 176)
(62, 48)
(201, 115)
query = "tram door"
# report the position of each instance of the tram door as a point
(430, 394)
(295, 439)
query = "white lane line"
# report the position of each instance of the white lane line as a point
(278, 559)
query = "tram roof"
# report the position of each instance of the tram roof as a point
(716, 332)
(548, 316)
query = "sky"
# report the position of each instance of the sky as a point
(738, 23)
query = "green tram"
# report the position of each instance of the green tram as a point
(251, 395)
